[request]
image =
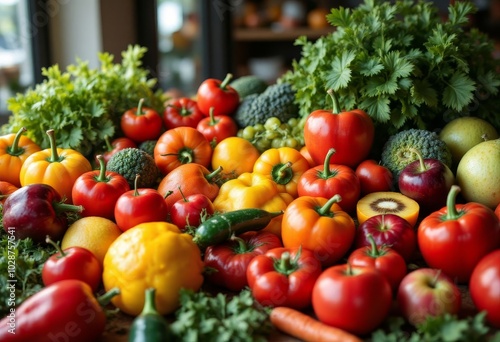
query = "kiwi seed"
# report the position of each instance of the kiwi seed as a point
(387, 206)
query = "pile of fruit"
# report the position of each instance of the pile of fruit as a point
(228, 214)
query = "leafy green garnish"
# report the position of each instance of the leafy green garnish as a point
(445, 328)
(203, 317)
(26, 279)
(401, 63)
(81, 104)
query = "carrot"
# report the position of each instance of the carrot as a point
(304, 327)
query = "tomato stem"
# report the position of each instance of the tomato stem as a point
(374, 251)
(226, 81)
(335, 101)
(241, 247)
(56, 246)
(213, 174)
(139, 108)
(285, 264)
(102, 169)
(212, 121)
(14, 149)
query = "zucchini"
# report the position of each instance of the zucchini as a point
(149, 326)
(220, 227)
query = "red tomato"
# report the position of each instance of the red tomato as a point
(72, 263)
(218, 94)
(350, 133)
(189, 210)
(117, 145)
(374, 177)
(484, 284)
(327, 180)
(98, 190)
(139, 206)
(217, 128)
(384, 259)
(141, 123)
(356, 299)
(230, 259)
(456, 237)
(183, 111)
(284, 277)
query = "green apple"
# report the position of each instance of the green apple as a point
(461, 134)
(478, 173)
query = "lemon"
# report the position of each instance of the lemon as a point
(93, 233)
(461, 134)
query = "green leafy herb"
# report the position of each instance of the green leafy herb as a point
(203, 317)
(445, 328)
(83, 105)
(402, 64)
(26, 279)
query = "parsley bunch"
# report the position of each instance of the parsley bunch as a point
(81, 104)
(401, 63)
(202, 317)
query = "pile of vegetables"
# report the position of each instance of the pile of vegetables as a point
(194, 226)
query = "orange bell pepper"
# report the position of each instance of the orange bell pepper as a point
(6, 189)
(14, 150)
(56, 167)
(284, 166)
(318, 224)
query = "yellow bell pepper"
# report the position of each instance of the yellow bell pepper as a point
(14, 150)
(253, 190)
(284, 166)
(56, 167)
(152, 254)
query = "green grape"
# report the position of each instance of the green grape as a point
(272, 123)
(277, 143)
(270, 135)
(259, 127)
(291, 142)
(293, 122)
(262, 144)
(248, 133)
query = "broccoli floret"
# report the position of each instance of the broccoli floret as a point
(248, 85)
(130, 162)
(396, 153)
(276, 101)
(148, 146)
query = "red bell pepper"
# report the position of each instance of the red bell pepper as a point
(217, 128)
(182, 111)
(454, 238)
(350, 133)
(98, 190)
(218, 94)
(141, 123)
(139, 206)
(284, 277)
(72, 263)
(330, 179)
(66, 310)
(229, 260)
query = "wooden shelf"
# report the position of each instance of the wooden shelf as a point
(268, 34)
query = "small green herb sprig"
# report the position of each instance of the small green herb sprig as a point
(402, 63)
(81, 104)
(205, 317)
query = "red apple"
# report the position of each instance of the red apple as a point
(427, 181)
(373, 177)
(189, 210)
(390, 230)
(427, 292)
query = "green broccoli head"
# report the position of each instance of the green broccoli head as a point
(396, 153)
(278, 100)
(130, 162)
(148, 146)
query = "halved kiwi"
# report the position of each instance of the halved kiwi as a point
(387, 202)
